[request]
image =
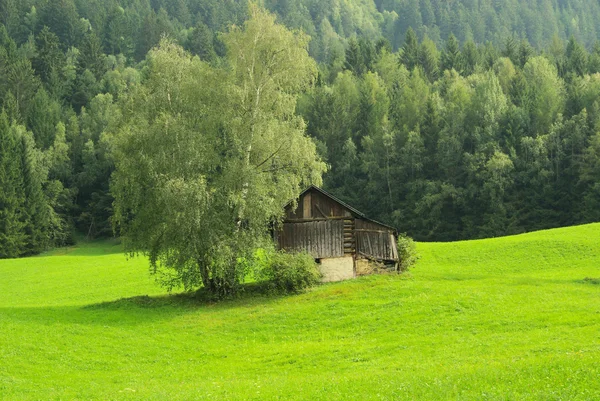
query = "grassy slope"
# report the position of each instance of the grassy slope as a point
(506, 319)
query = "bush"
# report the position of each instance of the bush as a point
(289, 273)
(407, 252)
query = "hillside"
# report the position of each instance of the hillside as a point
(479, 20)
(450, 120)
(506, 318)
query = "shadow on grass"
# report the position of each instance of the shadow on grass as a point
(148, 302)
(133, 311)
(589, 280)
(141, 309)
(251, 294)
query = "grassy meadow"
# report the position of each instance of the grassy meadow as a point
(514, 318)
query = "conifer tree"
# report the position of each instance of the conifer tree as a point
(577, 57)
(49, 60)
(430, 59)
(13, 239)
(91, 56)
(354, 58)
(511, 50)
(40, 217)
(451, 54)
(470, 57)
(61, 17)
(410, 50)
(594, 60)
(201, 43)
(42, 117)
(524, 53)
(369, 53)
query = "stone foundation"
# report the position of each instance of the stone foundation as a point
(337, 269)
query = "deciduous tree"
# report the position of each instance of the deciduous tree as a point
(206, 159)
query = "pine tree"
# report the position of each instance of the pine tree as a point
(49, 60)
(490, 56)
(39, 214)
(91, 56)
(369, 53)
(524, 53)
(427, 13)
(42, 117)
(9, 15)
(13, 239)
(354, 58)
(577, 57)
(61, 17)
(556, 52)
(451, 54)
(410, 50)
(511, 50)
(201, 43)
(19, 83)
(409, 16)
(119, 32)
(594, 60)
(430, 59)
(470, 57)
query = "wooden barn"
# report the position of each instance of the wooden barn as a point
(343, 240)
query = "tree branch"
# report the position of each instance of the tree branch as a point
(270, 156)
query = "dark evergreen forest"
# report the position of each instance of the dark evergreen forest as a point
(449, 119)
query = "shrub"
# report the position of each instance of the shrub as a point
(289, 273)
(407, 252)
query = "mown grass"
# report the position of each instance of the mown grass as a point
(514, 318)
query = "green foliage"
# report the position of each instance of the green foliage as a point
(407, 140)
(206, 158)
(451, 55)
(201, 43)
(360, 56)
(91, 56)
(410, 51)
(27, 221)
(61, 17)
(13, 218)
(430, 59)
(470, 58)
(50, 59)
(577, 58)
(407, 252)
(288, 273)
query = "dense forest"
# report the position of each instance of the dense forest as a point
(449, 119)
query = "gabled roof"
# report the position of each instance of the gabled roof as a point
(355, 212)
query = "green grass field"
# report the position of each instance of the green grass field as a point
(501, 319)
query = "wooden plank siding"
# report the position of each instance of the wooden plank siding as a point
(326, 227)
(322, 239)
(375, 241)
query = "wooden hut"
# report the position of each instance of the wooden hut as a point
(342, 240)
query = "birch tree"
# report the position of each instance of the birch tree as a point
(206, 159)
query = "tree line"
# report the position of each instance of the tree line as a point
(444, 136)
(466, 141)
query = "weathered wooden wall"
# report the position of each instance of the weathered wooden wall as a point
(322, 238)
(327, 228)
(314, 204)
(375, 241)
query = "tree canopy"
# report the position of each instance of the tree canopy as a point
(206, 158)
